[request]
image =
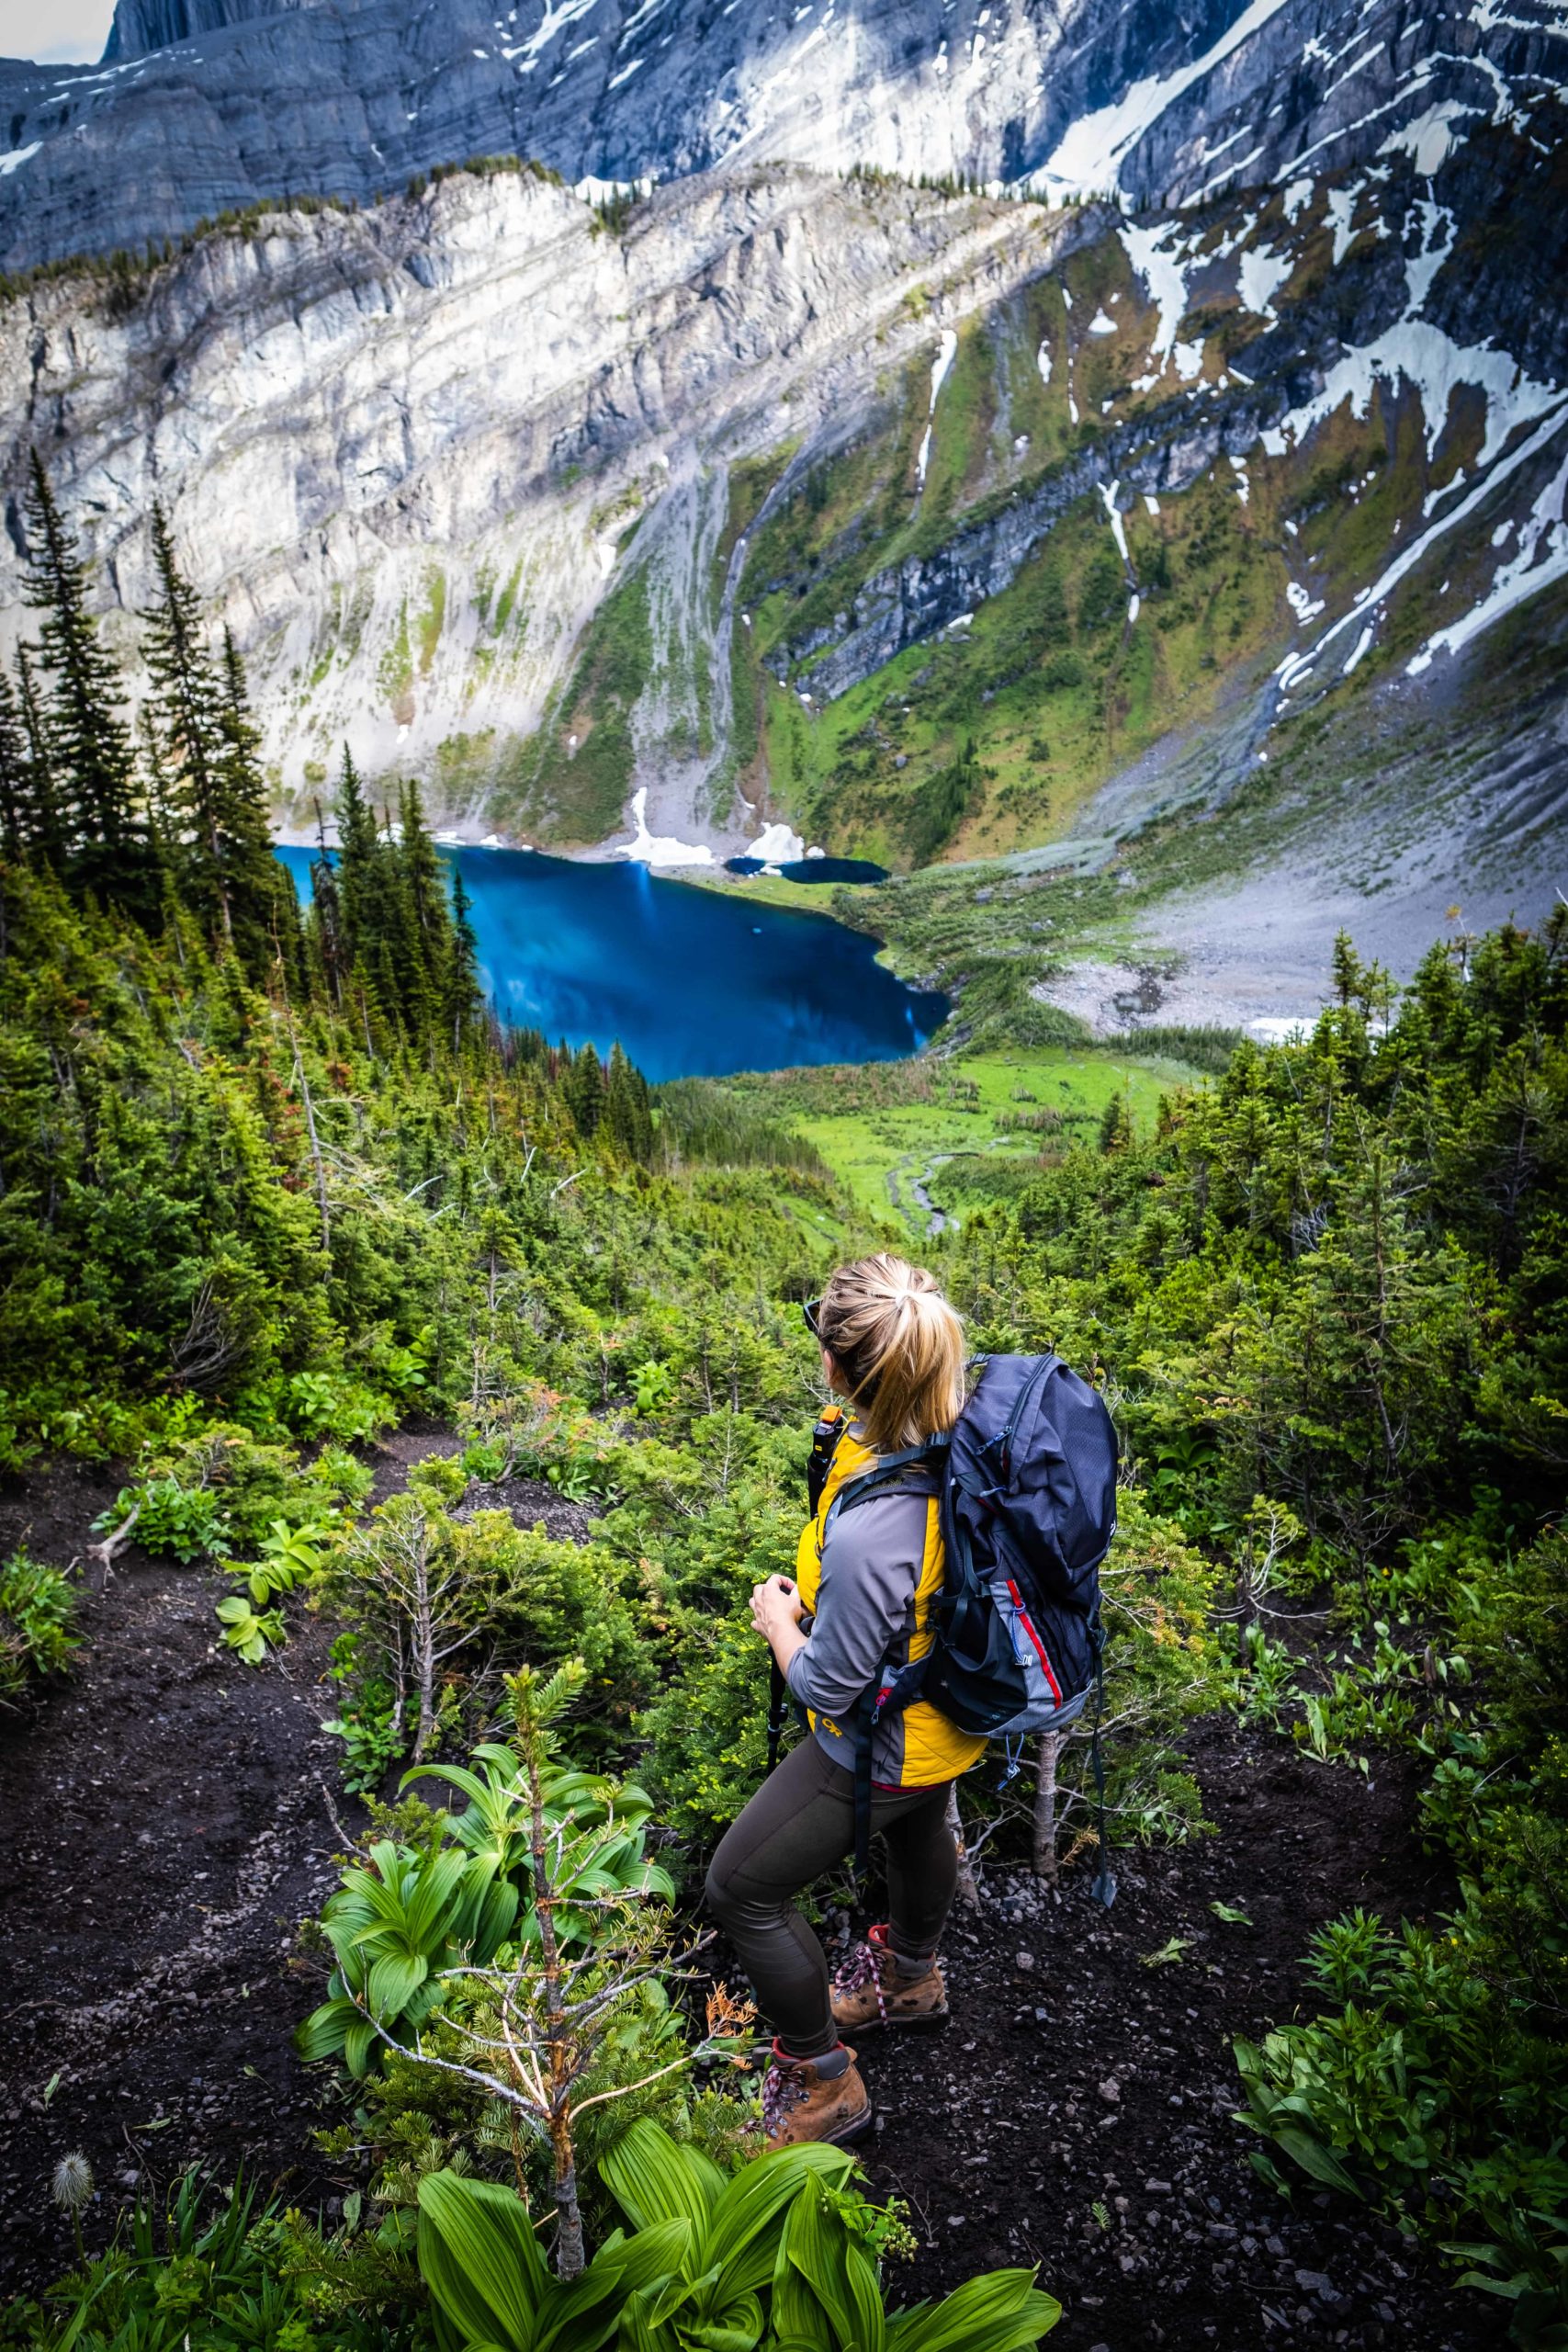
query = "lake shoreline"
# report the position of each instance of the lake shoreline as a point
(689, 983)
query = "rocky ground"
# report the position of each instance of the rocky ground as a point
(1080, 2111)
(170, 1816)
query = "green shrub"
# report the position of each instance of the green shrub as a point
(37, 1623)
(403, 1918)
(213, 2272)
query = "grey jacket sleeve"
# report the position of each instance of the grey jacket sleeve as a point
(865, 1601)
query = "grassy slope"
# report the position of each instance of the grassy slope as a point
(955, 1127)
(994, 738)
(1049, 684)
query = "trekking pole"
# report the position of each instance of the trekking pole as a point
(778, 1699)
(1103, 1891)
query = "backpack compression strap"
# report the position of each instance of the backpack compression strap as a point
(778, 1707)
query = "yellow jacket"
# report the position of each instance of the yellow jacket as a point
(869, 1584)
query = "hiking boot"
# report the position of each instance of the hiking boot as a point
(871, 1989)
(800, 2104)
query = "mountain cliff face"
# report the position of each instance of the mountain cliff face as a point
(203, 105)
(920, 520)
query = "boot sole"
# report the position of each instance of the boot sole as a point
(927, 2021)
(855, 2129)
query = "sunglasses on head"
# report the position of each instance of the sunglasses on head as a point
(810, 1308)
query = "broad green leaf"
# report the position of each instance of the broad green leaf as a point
(1002, 2311)
(794, 2312)
(652, 2178)
(322, 2034)
(814, 2246)
(394, 1981)
(868, 2314)
(747, 2221)
(358, 2041)
(459, 1776)
(1314, 2158)
(479, 2258)
(738, 2329)
(585, 2316)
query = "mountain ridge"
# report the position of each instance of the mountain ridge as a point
(254, 102)
(786, 502)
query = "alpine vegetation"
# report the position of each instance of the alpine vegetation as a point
(869, 1706)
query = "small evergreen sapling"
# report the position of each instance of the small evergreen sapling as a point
(537, 2018)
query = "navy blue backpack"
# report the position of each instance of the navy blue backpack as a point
(1026, 1485)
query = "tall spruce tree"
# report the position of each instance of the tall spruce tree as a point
(87, 739)
(582, 1089)
(185, 703)
(328, 946)
(463, 969)
(15, 778)
(429, 932)
(627, 1114)
(49, 842)
(260, 894)
(374, 905)
(359, 855)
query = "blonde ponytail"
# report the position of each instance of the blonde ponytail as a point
(900, 1347)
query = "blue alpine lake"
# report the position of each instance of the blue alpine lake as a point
(692, 982)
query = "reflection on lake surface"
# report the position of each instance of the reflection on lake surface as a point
(694, 982)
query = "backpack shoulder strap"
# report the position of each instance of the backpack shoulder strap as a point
(890, 1473)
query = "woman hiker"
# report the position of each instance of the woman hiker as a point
(859, 1602)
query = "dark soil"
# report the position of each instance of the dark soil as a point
(170, 1816)
(1076, 2076)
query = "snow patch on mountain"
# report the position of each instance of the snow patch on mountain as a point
(657, 849)
(947, 352)
(1543, 557)
(1089, 158)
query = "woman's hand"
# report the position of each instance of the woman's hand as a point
(775, 1607)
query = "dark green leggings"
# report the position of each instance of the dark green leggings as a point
(799, 1824)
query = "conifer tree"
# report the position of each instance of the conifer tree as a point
(463, 967)
(87, 739)
(186, 705)
(582, 1089)
(359, 853)
(427, 932)
(326, 929)
(627, 1112)
(15, 778)
(49, 841)
(256, 886)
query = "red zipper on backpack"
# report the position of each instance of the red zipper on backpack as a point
(1039, 1645)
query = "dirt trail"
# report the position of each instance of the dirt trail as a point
(166, 1822)
(1077, 2111)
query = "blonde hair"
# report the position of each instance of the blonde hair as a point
(900, 1347)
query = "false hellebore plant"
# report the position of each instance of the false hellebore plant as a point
(529, 1936)
(781, 2254)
